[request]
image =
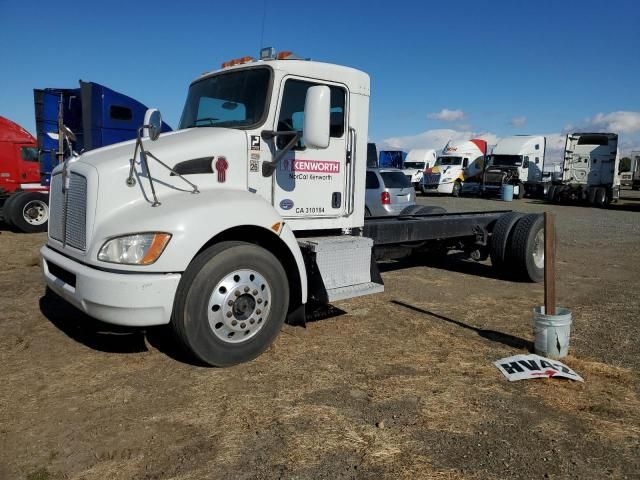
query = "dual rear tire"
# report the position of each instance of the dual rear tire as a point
(517, 246)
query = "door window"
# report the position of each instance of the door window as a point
(291, 116)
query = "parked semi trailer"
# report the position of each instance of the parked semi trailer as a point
(459, 162)
(251, 210)
(590, 170)
(517, 161)
(68, 121)
(19, 167)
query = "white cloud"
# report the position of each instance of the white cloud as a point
(447, 115)
(518, 121)
(616, 122)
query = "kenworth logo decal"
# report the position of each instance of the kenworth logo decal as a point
(310, 166)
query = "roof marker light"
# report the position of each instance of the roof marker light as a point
(237, 61)
(284, 55)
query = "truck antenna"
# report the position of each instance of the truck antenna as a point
(264, 16)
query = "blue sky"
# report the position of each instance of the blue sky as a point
(438, 70)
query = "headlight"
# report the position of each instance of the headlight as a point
(447, 180)
(136, 249)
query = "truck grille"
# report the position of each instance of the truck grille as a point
(75, 213)
(493, 177)
(433, 178)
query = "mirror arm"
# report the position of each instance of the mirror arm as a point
(269, 167)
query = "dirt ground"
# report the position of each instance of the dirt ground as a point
(397, 385)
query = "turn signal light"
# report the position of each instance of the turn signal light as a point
(385, 198)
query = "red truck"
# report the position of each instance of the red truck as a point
(20, 171)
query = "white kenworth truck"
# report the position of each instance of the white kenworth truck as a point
(253, 208)
(516, 161)
(590, 170)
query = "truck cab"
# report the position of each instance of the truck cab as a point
(517, 161)
(459, 161)
(590, 169)
(416, 163)
(18, 158)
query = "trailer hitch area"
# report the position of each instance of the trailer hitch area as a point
(269, 167)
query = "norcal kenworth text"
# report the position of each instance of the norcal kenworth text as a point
(253, 208)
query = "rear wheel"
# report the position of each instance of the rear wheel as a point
(231, 303)
(457, 188)
(591, 196)
(525, 254)
(29, 212)
(551, 194)
(500, 239)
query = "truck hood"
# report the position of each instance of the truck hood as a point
(211, 158)
(172, 148)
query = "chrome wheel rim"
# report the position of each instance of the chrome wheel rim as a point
(538, 249)
(239, 306)
(35, 212)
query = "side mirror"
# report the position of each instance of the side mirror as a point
(152, 124)
(317, 107)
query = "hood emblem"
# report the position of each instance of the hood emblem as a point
(221, 168)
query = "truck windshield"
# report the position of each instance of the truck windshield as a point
(235, 99)
(449, 161)
(506, 160)
(418, 165)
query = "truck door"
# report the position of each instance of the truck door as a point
(309, 182)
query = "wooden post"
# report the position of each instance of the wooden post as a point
(549, 264)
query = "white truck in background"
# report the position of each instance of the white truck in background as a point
(416, 163)
(590, 170)
(251, 210)
(458, 162)
(517, 161)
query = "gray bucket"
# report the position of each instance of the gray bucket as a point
(552, 332)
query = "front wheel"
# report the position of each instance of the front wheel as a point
(231, 303)
(29, 212)
(457, 189)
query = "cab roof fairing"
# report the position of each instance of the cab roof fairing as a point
(519, 144)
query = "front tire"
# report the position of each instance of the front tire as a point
(29, 212)
(231, 303)
(600, 199)
(457, 189)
